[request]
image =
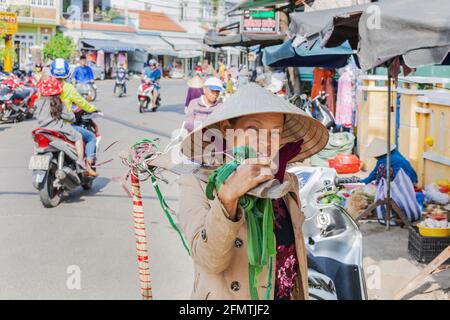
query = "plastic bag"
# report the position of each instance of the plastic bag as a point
(434, 195)
(403, 194)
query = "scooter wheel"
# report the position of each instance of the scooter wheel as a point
(50, 197)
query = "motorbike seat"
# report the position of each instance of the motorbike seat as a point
(22, 93)
(53, 133)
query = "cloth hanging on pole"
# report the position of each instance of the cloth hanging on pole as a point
(344, 102)
(323, 81)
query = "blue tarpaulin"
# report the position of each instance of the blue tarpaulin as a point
(285, 55)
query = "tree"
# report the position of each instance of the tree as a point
(60, 47)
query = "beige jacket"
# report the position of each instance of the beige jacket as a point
(219, 246)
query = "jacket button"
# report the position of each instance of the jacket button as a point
(235, 286)
(204, 237)
(238, 243)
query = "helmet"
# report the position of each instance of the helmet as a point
(60, 68)
(152, 62)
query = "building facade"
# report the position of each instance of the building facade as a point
(37, 20)
(170, 31)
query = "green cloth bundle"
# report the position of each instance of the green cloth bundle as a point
(259, 215)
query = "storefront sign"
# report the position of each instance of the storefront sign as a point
(260, 21)
(8, 23)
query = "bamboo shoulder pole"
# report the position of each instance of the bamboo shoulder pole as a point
(141, 239)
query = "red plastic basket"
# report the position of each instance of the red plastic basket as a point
(345, 163)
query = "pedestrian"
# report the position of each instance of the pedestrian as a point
(53, 115)
(221, 243)
(378, 150)
(195, 88)
(221, 70)
(229, 84)
(199, 109)
(208, 70)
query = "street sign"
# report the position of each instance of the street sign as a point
(260, 21)
(8, 23)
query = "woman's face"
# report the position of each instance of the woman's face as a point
(262, 132)
(211, 95)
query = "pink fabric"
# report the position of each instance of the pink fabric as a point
(344, 105)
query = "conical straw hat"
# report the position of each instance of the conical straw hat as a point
(253, 99)
(377, 148)
(196, 82)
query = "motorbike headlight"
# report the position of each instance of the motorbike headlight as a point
(332, 220)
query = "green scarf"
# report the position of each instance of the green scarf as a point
(259, 215)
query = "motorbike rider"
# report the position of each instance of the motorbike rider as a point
(71, 98)
(53, 115)
(39, 71)
(153, 74)
(121, 73)
(83, 73)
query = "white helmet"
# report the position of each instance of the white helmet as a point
(153, 62)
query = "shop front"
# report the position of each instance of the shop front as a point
(106, 54)
(188, 51)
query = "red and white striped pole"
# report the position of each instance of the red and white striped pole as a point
(141, 239)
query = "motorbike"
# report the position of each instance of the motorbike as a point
(54, 162)
(17, 100)
(332, 237)
(88, 90)
(145, 96)
(316, 108)
(121, 80)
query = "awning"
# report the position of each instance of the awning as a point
(78, 35)
(286, 55)
(180, 44)
(110, 46)
(244, 40)
(153, 44)
(248, 4)
(205, 48)
(188, 54)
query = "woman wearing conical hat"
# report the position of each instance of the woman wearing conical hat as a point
(195, 87)
(217, 227)
(378, 150)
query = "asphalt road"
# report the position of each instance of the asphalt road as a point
(90, 234)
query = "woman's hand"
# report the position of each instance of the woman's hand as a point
(248, 176)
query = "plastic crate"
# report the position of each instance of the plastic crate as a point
(425, 249)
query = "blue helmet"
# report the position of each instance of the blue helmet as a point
(60, 68)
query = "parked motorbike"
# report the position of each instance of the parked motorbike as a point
(17, 100)
(333, 239)
(316, 108)
(121, 80)
(87, 90)
(145, 96)
(54, 162)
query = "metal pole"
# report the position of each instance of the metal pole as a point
(388, 160)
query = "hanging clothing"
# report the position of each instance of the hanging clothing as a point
(121, 58)
(101, 58)
(344, 103)
(323, 81)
